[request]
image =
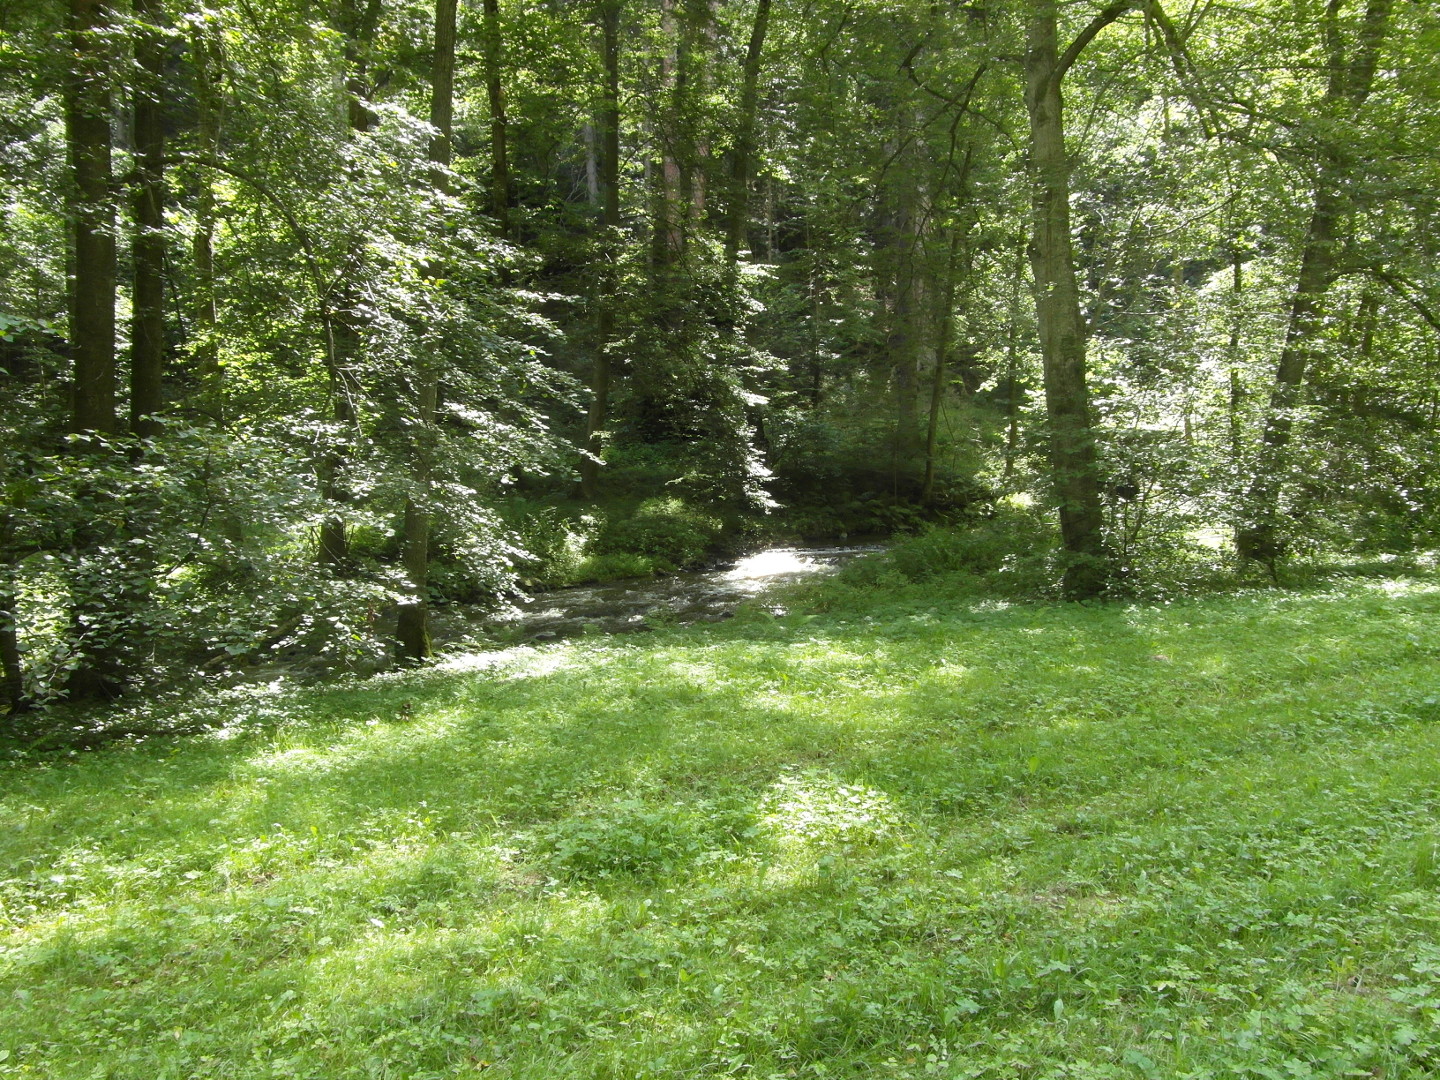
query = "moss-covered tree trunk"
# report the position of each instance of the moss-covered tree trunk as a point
(1074, 464)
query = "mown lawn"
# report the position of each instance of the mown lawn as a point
(948, 839)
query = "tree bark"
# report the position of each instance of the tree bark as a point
(147, 327)
(1073, 461)
(608, 15)
(98, 671)
(87, 135)
(344, 323)
(1349, 84)
(744, 151)
(12, 666)
(412, 627)
(944, 334)
(202, 244)
(494, 88)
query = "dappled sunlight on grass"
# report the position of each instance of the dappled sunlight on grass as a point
(930, 843)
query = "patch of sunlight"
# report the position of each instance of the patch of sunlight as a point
(1401, 587)
(395, 955)
(949, 670)
(521, 662)
(689, 672)
(294, 759)
(768, 564)
(1214, 539)
(817, 810)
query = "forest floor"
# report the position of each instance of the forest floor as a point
(912, 835)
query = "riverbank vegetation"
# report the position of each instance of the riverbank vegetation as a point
(315, 317)
(899, 830)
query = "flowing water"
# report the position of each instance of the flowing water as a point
(620, 607)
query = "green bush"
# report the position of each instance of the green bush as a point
(1013, 542)
(616, 567)
(553, 543)
(665, 529)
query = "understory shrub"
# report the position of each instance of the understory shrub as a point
(665, 530)
(1014, 548)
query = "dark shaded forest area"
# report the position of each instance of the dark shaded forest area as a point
(317, 316)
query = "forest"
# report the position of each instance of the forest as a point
(1103, 338)
(318, 316)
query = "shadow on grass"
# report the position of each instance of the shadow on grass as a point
(786, 842)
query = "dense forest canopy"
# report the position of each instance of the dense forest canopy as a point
(314, 313)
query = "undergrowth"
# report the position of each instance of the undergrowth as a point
(917, 834)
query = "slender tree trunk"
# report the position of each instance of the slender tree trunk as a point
(1236, 397)
(344, 322)
(494, 88)
(1350, 80)
(12, 665)
(1073, 461)
(12, 662)
(1012, 369)
(608, 15)
(147, 327)
(668, 240)
(944, 333)
(98, 672)
(412, 628)
(744, 152)
(202, 244)
(589, 137)
(87, 132)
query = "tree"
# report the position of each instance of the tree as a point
(1351, 67)
(412, 632)
(1074, 462)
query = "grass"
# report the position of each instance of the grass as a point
(896, 839)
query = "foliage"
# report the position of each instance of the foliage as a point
(666, 530)
(1010, 552)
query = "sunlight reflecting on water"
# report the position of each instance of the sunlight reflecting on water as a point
(772, 563)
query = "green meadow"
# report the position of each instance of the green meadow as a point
(900, 832)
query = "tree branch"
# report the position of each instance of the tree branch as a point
(1102, 20)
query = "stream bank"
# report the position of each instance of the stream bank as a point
(637, 605)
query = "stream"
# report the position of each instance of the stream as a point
(620, 607)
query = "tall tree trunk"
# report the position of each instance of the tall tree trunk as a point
(1012, 368)
(944, 333)
(98, 672)
(87, 134)
(494, 88)
(1350, 80)
(668, 238)
(412, 628)
(344, 322)
(204, 60)
(744, 151)
(1236, 396)
(147, 327)
(608, 15)
(1073, 461)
